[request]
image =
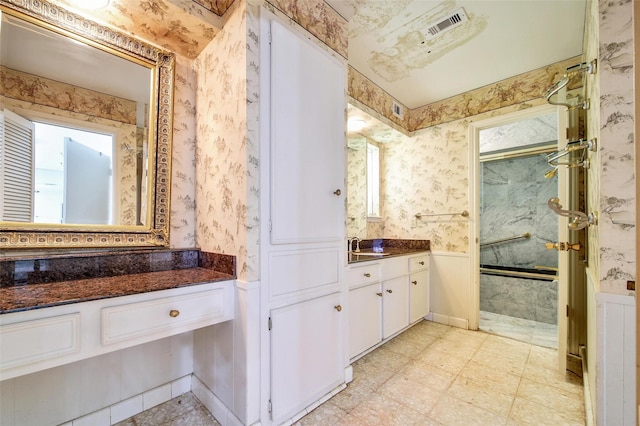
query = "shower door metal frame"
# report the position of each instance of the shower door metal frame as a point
(474, 219)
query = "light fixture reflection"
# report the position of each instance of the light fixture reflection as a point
(356, 124)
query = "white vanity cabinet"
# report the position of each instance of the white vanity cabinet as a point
(38, 339)
(302, 152)
(385, 297)
(418, 287)
(365, 307)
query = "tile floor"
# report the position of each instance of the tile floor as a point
(433, 374)
(523, 330)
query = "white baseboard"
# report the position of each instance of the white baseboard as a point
(448, 320)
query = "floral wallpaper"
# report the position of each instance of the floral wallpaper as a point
(374, 97)
(183, 197)
(185, 27)
(319, 19)
(43, 91)
(356, 187)
(430, 174)
(615, 185)
(222, 151)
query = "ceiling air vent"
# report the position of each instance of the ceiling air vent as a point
(450, 22)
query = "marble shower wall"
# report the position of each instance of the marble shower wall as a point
(520, 297)
(513, 201)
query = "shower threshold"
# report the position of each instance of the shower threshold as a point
(523, 330)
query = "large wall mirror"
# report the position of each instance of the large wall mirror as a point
(86, 124)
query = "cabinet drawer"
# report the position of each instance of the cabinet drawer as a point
(37, 340)
(394, 267)
(418, 263)
(165, 316)
(363, 274)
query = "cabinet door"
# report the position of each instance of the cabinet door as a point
(419, 295)
(307, 141)
(306, 355)
(395, 305)
(365, 318)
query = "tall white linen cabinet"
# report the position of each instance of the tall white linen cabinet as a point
(303, 103)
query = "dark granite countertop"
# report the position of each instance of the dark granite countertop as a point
(36, 283)
(384, 248)
(35, 296)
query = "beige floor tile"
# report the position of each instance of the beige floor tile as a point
(407, 392)
(355, 392)
(430, 328)
(551, 397)
(442, 360)
(385, 359)
(371, 375)
(468, 337)
(502, 382)
(426, 375)
(406, 346)
(507, 348)
(525, 413)
(498, 362)
(384, 411)
(544, 357)
(565, 382)
(452, 411)
(481, 396)
(326, 414)
(459, 349)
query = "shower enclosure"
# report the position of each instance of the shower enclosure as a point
(517, 273)
(518, 287)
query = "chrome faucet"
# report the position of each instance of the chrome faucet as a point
(350, 245)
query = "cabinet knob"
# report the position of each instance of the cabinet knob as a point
(338, 308)
(337, 192)
(368, 275)
(174, 313)
(414, 282)
(389, 291)
(379, 294)
(421, 263)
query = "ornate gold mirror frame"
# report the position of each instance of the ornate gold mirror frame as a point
(162, 63)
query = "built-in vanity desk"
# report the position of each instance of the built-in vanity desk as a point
(388, 291)
(55, 311)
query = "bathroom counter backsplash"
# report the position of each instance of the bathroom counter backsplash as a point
(39, 282)
(391, 248)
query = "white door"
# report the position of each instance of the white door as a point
(307, 141)
(395, 305)
(306, 355)
(365, 318)
(86, 184)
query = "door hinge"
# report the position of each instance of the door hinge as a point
(271, 39)
(270, 408)
(270, 324)
(270, 226)
(567, 311)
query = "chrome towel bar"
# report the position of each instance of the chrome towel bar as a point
(504, 240)
(463, 213)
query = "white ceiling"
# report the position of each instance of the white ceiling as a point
(501, 39)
